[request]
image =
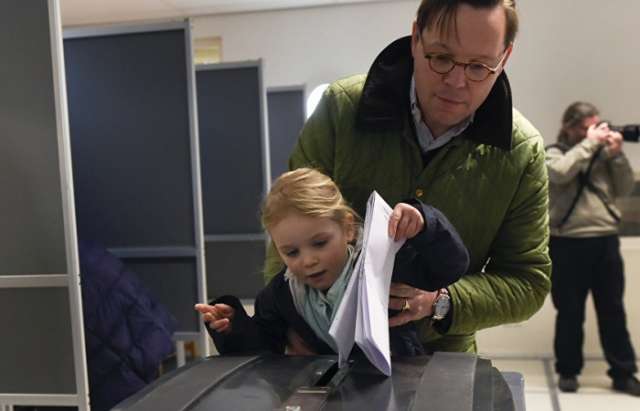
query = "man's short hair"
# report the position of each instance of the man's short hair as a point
(442, 14)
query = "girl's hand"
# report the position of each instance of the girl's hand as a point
(218, 316)
(405, 222)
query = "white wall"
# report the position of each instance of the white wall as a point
(567, 50)
(313, 45)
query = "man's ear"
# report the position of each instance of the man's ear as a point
(507, 55)
(415, 38)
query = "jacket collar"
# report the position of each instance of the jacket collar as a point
(384, 104)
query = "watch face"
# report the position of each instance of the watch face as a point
(441, 307)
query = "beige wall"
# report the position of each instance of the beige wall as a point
(535, 337)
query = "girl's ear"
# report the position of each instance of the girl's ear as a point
(350, 227)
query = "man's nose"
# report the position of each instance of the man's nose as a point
(456, 77)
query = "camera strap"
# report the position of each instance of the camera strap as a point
(583, 181)
(604, 200)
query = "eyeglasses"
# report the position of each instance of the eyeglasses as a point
(474, 71)
(443, 63)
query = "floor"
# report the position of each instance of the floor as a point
(541, 393)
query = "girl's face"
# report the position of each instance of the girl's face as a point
(314, 248)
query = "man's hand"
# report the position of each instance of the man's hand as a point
(218, 316)
(414, 303)
(405, 222)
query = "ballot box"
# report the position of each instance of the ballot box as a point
(442, 382)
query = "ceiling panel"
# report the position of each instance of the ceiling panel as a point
(86, 12)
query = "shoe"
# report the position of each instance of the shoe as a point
(630, 385)
(568, 384)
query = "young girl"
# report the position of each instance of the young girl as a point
(315, 233)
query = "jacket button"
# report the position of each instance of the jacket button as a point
(419, 193)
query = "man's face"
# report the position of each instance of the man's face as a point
(447, 99)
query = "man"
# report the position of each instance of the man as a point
(433, 119)
(587, 172)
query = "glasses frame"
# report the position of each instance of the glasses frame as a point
(490, 70)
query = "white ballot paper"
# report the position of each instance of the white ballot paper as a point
(363, 316)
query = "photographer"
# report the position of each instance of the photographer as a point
(587, 172)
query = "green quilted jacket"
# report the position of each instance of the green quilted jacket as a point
(491, 183)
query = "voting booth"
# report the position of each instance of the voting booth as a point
(134, 135)
(286, 109)
(234, 148)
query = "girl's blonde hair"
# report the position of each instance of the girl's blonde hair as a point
(310, 193)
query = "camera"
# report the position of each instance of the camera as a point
(630, 132)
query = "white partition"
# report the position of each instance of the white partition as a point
(42, 357)
(133, 121)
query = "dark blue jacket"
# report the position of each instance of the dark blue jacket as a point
(127, 333)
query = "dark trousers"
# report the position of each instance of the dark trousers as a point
(581, 265)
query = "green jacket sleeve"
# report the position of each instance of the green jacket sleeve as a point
(516, 280)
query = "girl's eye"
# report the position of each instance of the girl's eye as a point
(319, 244)
(291, 253)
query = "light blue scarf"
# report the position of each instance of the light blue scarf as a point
(316, 307)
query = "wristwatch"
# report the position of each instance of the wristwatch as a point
(441, 305)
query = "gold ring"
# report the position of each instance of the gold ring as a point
(406, 306)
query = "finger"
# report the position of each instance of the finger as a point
(402, 228)
(218, 324)
(224, 328)
(203, 308)
(394, 219)
(208, 317)
(400, 290)
(224, 310)
(413, 229)
(396, 303)
(419, 226)
(402, 318)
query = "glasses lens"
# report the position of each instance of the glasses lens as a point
(441, 63)
(477, 72)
